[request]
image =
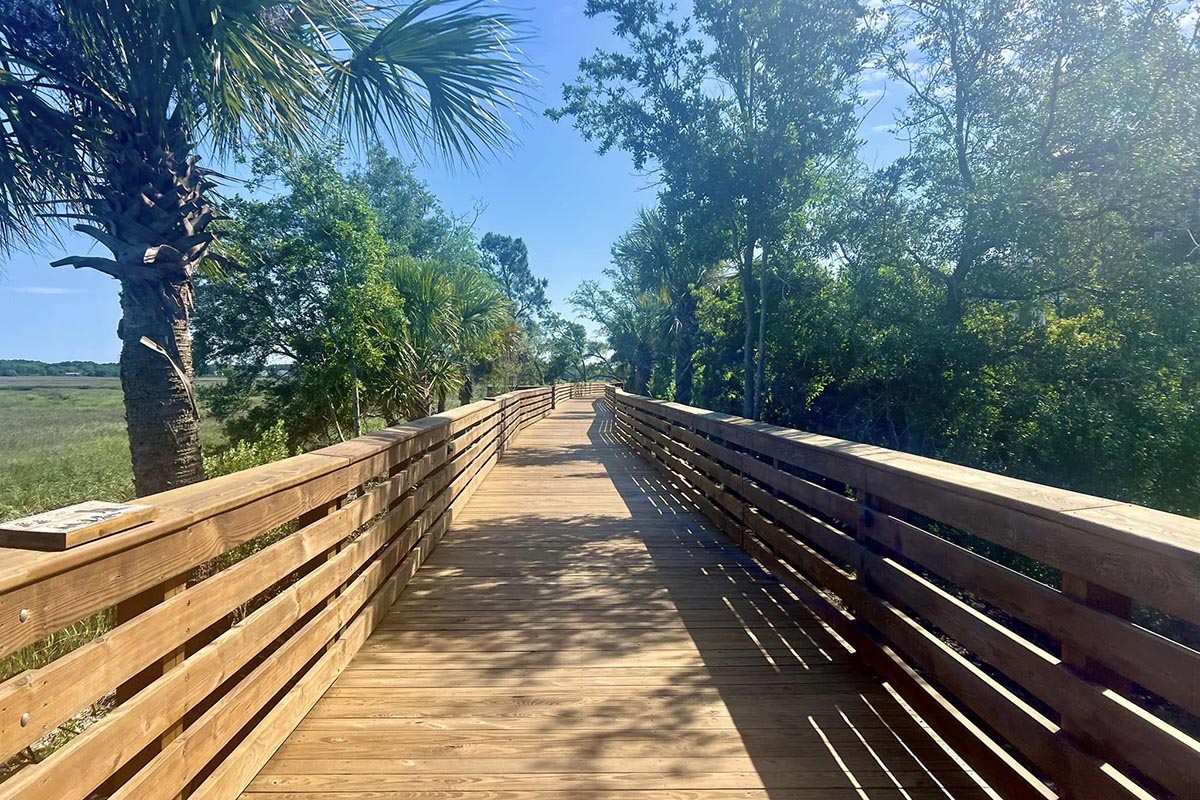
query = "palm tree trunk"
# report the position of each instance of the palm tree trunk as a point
(157, 378)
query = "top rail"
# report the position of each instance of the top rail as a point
(1048, 634)
(230, 613)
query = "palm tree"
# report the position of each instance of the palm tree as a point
(103, 104)
(483, 313)
(652, 257)
(451, 314)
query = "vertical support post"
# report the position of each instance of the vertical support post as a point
(1101, 599)
(126, 610)
(1110, 602)
(868, 506)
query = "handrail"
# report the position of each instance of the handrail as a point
(212, 667)
(1047, 687)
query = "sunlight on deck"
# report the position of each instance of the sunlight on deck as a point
(582, 634)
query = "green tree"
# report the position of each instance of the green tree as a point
(104, 106)
(737, 109)
(634, 319)
(573, 355)
(453, 315)
(507, 260)
(294, 321)
(653, 250)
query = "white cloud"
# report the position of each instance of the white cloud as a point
(871, 94)
(884, 128)
(1189, 20)
(45, 290)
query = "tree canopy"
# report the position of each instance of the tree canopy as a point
(1016, 292)
(353, 298)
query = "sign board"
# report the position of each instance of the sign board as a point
(74, 525)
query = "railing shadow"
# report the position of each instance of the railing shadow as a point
(637, 647)
(835, 710)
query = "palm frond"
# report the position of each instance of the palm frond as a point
(98, 97)
(439, 72)
(40, 172)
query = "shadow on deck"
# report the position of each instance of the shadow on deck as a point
(582, 633)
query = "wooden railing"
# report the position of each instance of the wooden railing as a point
(588, 389)
(235, 608)
(1015, 618)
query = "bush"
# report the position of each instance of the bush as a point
(245, 454)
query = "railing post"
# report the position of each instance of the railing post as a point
(1101, 599)
(1109, 602)
(868, 506)
(126, 610)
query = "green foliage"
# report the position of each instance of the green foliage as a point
(738, 109)
(295, 321)
(572, 355)
(84, 75)
(506, 259)
(452, 317)
(329, 320)
(409, 216)
(1018, 293)
(273, 446)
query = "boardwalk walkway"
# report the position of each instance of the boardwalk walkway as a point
(581, 635)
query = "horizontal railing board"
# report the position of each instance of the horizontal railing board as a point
(737, 486)
(55, 602)
(370, 510)
(1166, 667)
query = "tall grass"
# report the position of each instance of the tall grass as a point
(65, 442)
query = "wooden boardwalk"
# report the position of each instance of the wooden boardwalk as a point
(580, 634)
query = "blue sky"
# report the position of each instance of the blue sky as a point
(568, 203)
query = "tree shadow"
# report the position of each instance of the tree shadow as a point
(582, 630)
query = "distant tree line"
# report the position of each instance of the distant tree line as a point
(1019, 291)
(14, 367)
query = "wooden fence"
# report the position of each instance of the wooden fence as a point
(1016, 618)
(587, 389)
(236, 607)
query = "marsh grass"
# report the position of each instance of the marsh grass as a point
(64, 442)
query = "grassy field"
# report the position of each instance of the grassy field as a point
(63, 441)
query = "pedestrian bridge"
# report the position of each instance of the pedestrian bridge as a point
(629, 599)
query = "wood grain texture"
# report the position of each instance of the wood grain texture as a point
(583, 633)
(910, 593)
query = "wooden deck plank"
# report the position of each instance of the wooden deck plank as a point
(582, 634)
